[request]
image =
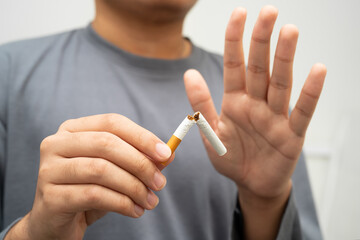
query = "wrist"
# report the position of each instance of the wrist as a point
(262, 215)
(255, 201)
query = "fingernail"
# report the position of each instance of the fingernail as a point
(163, 150)
(152, 199)
(139, 210)
(159, 180)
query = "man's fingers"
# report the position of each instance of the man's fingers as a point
(85, 197)
(281, 80)
(200, 99)
(124, 128)
(302, 113)
(100, 172)
(106, 146)
(259, 56)
(234, 64)
(199, 96)
(163, 165)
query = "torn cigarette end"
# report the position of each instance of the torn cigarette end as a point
(210, 134)
(179, 134)
(204, 126)
(196, 116)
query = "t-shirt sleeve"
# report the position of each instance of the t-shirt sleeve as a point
(6, 230)
(4, 72)
(299, 220)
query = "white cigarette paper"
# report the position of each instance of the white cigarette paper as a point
(180, 133)
(210, 134)
(183, 128)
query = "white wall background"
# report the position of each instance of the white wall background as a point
(329, 33)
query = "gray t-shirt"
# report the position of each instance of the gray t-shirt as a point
(46, 81)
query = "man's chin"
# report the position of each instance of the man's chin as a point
(156, 10)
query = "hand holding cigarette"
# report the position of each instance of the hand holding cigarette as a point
(93, 165)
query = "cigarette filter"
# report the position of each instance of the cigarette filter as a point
(210, 134)
(180, 132)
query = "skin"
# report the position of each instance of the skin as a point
(263, 142)
(146, 28)
(89, 167)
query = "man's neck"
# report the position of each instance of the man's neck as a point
(153, 39)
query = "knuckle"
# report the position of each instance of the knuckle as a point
(142, 139)
(138, 189)
(44, 172)
(104, 141)
(285, 60)
(233, 63)
(254, 68)
(303, 112)
(63, 126)
(46, 143)
(46, 200)
(111, 120)
(311, 96)
(279, 83)
(145, 171)
(142, 165)
(125, 205)
(261, 40)
(91, 195)
(97, 169)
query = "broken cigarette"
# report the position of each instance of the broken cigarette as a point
(180, 132)
(210, 134)
(204, 126)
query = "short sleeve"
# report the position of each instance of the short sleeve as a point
(7, 229)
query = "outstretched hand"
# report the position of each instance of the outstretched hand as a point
(263, 141)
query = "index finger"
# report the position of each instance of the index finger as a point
(304, 109)
(121, 126)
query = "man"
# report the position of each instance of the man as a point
(98, 171)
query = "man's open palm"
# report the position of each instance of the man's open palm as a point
(263, 141)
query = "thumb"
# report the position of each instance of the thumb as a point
(199, 96)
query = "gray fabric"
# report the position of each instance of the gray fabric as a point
(303, 199)
(290, 227)
(290, 224)
(7, 229)
(46, 81)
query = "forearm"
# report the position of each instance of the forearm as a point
(262, 216)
